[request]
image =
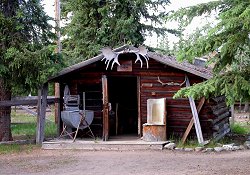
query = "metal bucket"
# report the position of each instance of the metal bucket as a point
(72, 118)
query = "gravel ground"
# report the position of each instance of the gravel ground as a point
(75, 162)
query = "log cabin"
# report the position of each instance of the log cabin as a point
(118, 96)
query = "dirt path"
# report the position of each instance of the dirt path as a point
(77, 162)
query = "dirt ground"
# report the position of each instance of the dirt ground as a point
(75, 162)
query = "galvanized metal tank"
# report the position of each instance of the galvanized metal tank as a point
(71, 118)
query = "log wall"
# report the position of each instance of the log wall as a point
(213, 115)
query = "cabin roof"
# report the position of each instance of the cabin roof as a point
(167, 60)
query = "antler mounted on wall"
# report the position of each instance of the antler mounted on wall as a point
(110, 55)
(171, 83)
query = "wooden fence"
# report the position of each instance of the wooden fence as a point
(29, 100)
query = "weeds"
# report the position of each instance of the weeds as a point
(24, 126)
(4, 149)
(16, 148)
(28, 130)
(240, 128)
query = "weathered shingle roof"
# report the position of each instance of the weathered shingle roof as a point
(167, 60)
(185, 66)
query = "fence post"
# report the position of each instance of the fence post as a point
(41, 113)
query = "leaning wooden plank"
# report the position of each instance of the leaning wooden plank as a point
(28, 110)
(191, 123)
(195, 116)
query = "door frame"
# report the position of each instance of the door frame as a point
(106, 105)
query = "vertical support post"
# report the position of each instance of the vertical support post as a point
(57, 20)
(57, 104)
(139, 105)
(116, 119)
(39, 104)
(105, 108)
(58, 110)
(232, 114)
(84, 101)
(41, 114)
(58, 50)
(195, 116)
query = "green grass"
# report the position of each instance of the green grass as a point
(22, 118)
(241, 128)
(188, 144)
(15, 148)
(28, 130)
(26, 118)
(24, 126)
(4, 149)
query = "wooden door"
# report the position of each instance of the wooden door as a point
(105, 108)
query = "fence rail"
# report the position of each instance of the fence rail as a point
(27, 101)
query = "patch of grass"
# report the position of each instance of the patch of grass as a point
(22, 117)
(24, 129)
(4, 149)
(28, 130)
(15, 148)
(188, 144)
(17, 117)
(50, 129)
(24, 126)
(240, 128)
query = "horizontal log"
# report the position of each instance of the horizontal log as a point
(161, 74)
(219, 106)
(159, 87)
(26, 102)
(219, 99)
(222, 124)
(218, 136)
(222, 117)
(220, 111)
(172, 77)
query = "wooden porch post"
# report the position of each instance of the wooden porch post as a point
(57, 104)
(41, 113)
(105, 108)
(139, 105)
(58, 107)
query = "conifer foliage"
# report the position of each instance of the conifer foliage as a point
(26, 53)
(94, 24)
(230, 40)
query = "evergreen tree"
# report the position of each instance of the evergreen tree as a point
(230, 38)
(26, 53)
(94, 24)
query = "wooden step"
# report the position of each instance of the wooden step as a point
(101, 145)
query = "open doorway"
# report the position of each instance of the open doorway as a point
(123, 117)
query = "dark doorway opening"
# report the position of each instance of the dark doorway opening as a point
(123, 117)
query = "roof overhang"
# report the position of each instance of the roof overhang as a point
(167, 60)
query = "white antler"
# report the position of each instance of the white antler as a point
(109, 55)
(144, 53)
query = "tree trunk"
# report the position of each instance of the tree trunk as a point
(246, 108)
(5, 130)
